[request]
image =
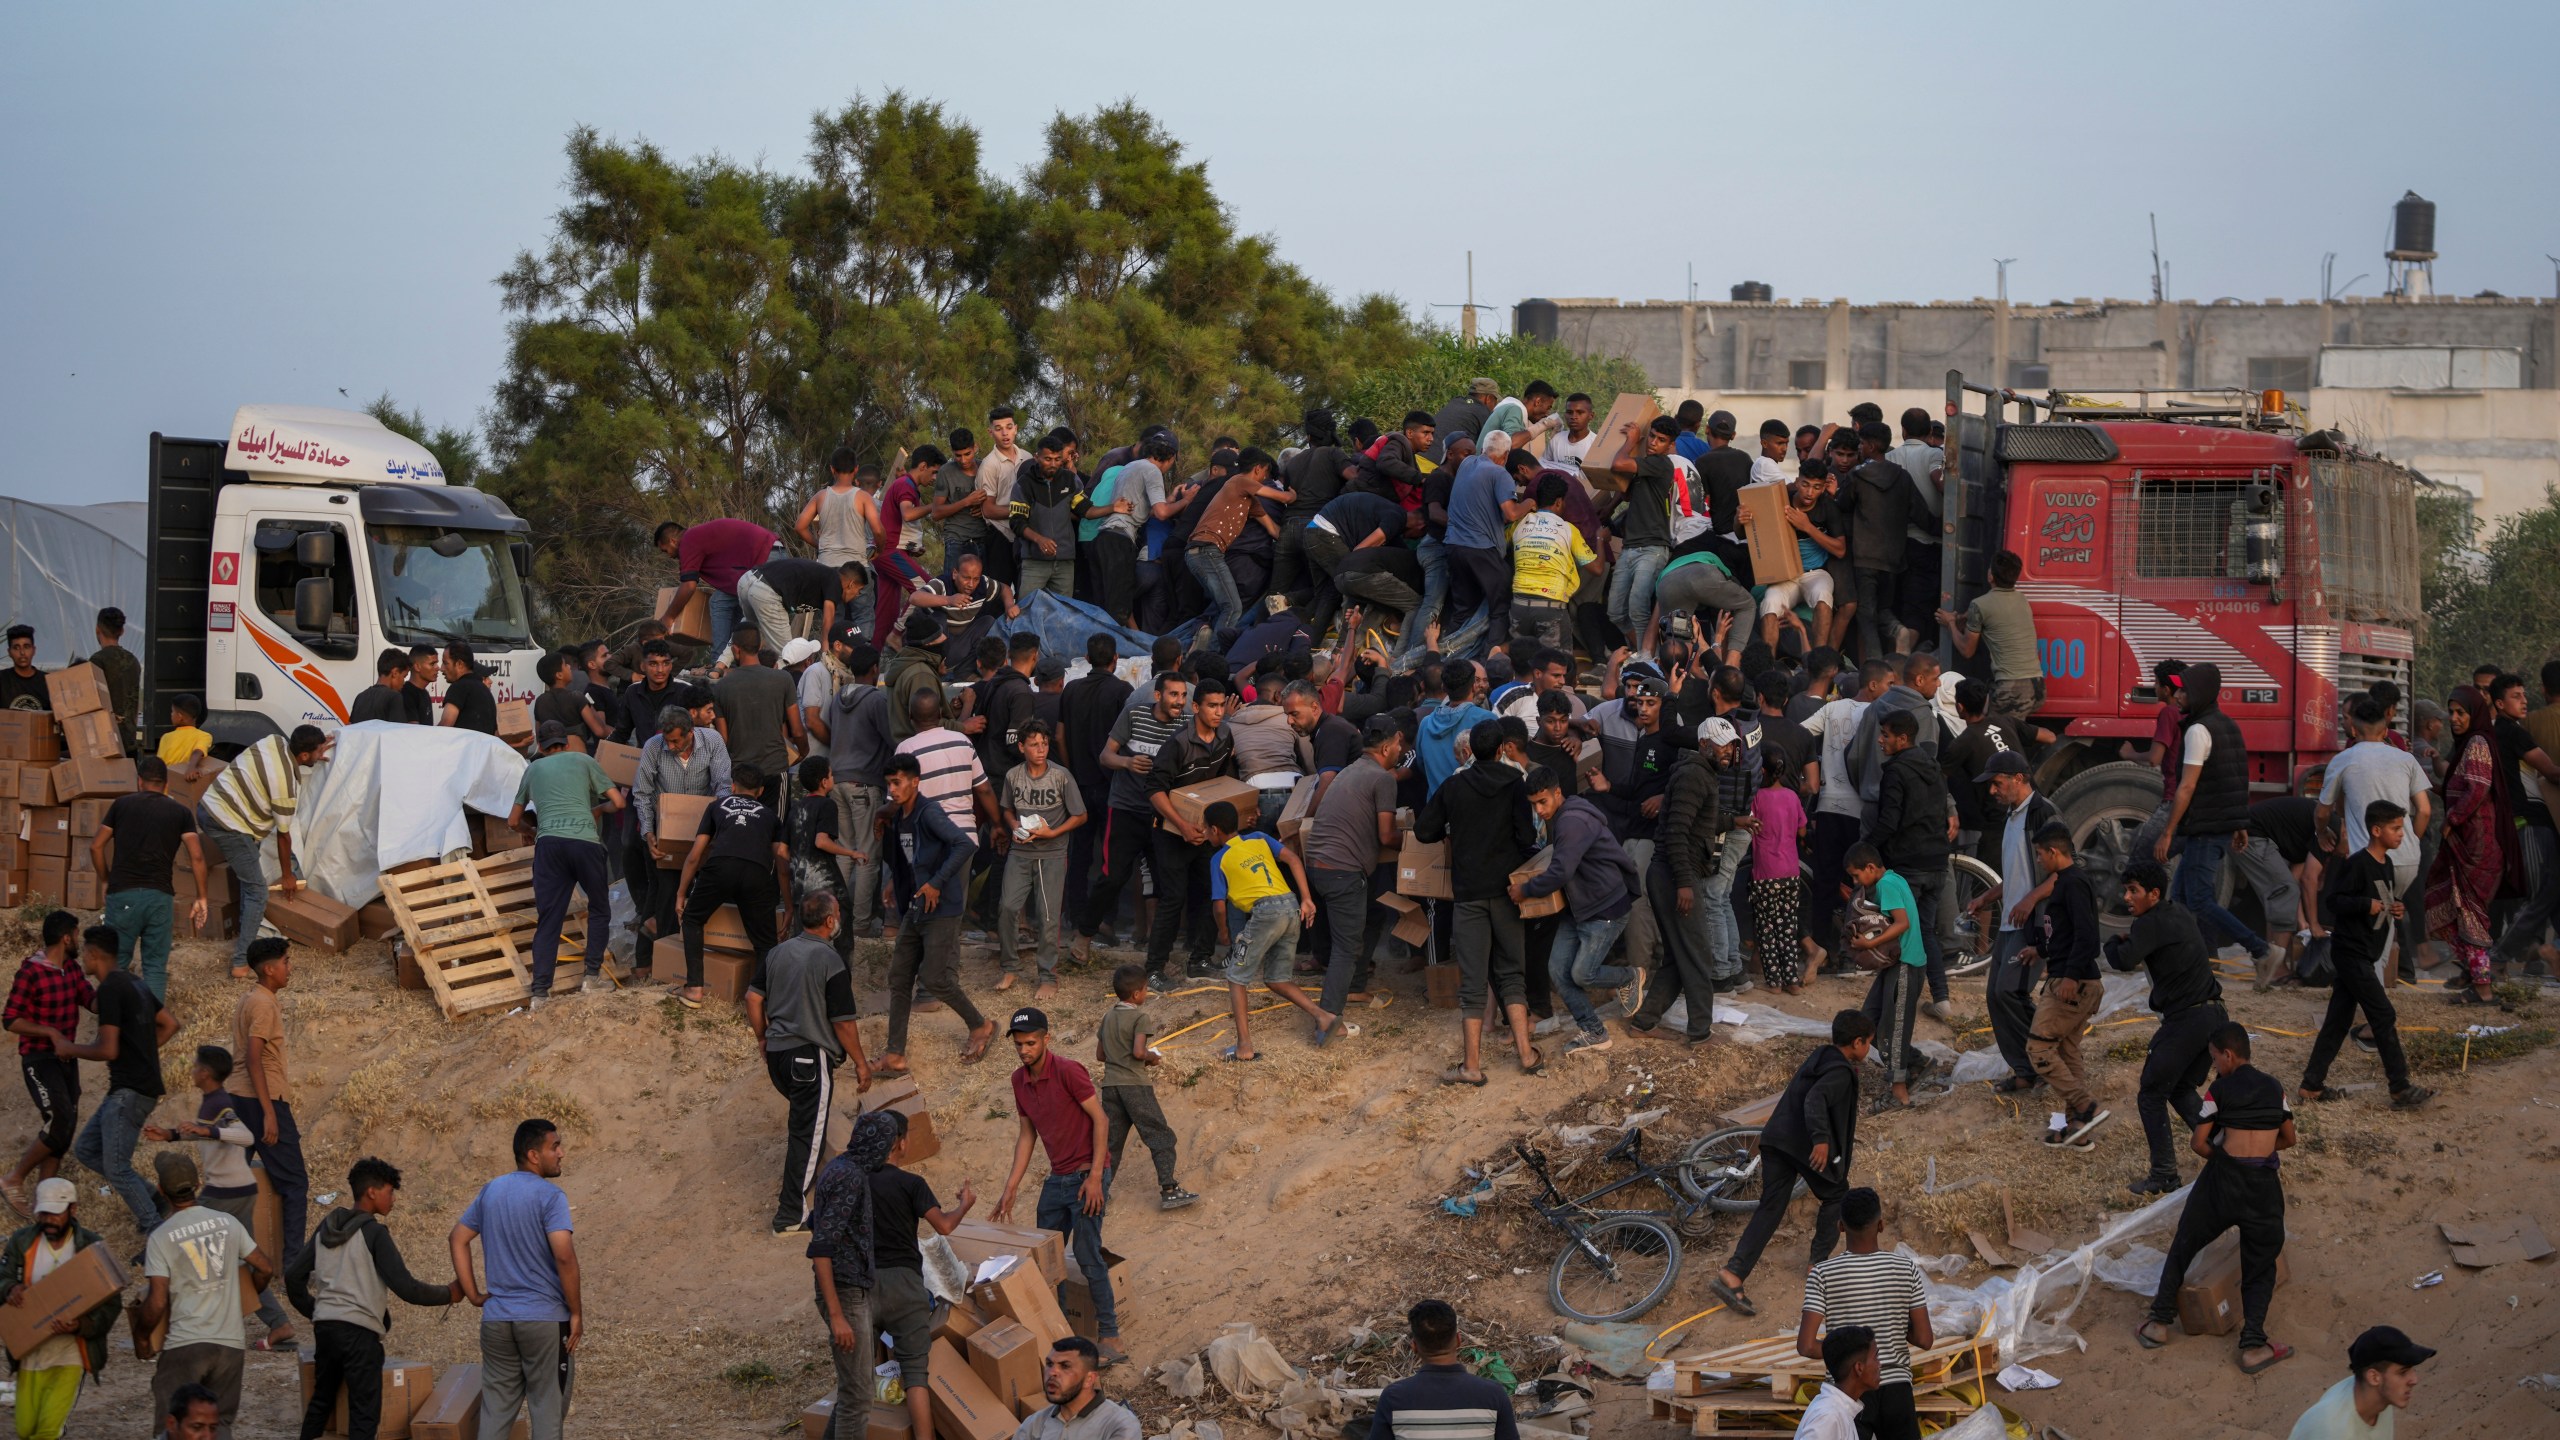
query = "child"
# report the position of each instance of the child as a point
(222, 1160)
(357, 1267)
(1244, 872)
(1041, 803)
(2071, 991)
(185, 739)
(901, 1306)
(1777, 888)
(1901, 966)
(813, 840)
(1128, 1096)
(2244, 1124)
(2363, 903)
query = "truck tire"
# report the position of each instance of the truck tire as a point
(2102, 807)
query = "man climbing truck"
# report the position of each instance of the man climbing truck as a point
(284, 559)
(2206, 530)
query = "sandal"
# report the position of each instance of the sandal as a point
(1339, 1027)
(1535, 1067)
(2276, 1355)
(2142, 1333)
(1740, 1303)
(1230, 1054)
(2017, 1085)
(1459, 1077)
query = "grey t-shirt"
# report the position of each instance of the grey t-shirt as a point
(199, 1251)
(1344, 833)
(1142, 485)
(1139, 733)
(2007, 623)
(2371, 770)
(952, 483)
(1054, 797)
(806, 989)
(753, 699)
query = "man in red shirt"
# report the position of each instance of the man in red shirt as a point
(1057, 1102)
(45, 1001)
(894, 550)
(714, 554)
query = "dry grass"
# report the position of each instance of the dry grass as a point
(2440, 1052)
(532, 1097)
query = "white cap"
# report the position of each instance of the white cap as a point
(55, 1196)
(1718, 731)
(799, 651)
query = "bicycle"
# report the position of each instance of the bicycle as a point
(1722, 1170)
(1616, 1264)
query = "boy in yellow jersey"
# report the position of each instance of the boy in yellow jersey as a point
(186, 739)
(1548, 560)
(1245, 871)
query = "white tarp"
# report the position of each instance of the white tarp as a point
(61, 566)
(391, 793)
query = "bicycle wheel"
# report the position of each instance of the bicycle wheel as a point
(1723, 1169)
(1968, 947)
(1616, 1269)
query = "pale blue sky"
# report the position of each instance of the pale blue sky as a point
(219, 203)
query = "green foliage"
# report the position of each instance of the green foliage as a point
(2499, 604)
(1429, 374)
(458, 451)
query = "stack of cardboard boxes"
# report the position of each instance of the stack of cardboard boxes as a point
(187, 783)
(728, 959)
(50, 763)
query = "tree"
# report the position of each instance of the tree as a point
(1427, 375)
(2499, 604)
(458, 451)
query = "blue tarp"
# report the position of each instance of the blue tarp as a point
(1065, 625)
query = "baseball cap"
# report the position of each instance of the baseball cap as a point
(55, 1196)
(1641, 680)
(176, 1170)
(2383, 1345)
(551, 734)
(798, 650)
(1722, 423)
(923, 627)
(1049, 668)
(2007, 762)
(1027, 1018)
(1483, 385)
(1718, 731)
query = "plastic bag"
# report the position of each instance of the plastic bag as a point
(1986, 1423)
(1248, 1366)
(2135, 1270)
(2314, 966)
(1616, 1347)
(2028, 1320)
(1183, 1377)
(888, 1384)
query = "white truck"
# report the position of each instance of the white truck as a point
(286, 558)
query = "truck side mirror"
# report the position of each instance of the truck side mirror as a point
(314, 601)
(2260, 535)
(315, 550)
(522, 551)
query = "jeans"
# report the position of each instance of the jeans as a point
(105, 1145)
(243, 1207)
(1209, 566)
(724, 618)
(240, 852)
(2198, 884)
(1356, 923)
(2532, 915)
(561, 867)
(1928, 896)
(1536, 620)
(2263, 869)
(1040, 880)
(1062, 1210)
(857, 808)
(349, 1355)
(1435, 592)
(1581, 959)
(805, 1079)
(1134, 1107)
(1715, 901)
(525, 1366)
(285, 1170)
(1481, 576)
(1058, 577)
(852, 1367)
(143, 920)
(2009, 998)
(1631, 588)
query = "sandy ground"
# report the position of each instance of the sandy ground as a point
(1322, 1172)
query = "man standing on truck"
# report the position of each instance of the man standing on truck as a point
(712, 555)
(2003, 618)
(2210, 806)
(249, 801)
(123, 673)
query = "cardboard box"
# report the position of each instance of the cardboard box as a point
(219, 886)
(1075, 1298)
(666, 959)
(515, 722)
(50, 878)
(221, 922)
(452, 1409)
(14, 852)
(1023, 1295)
(727, 930)
(963, 1407)
(679, 820)
(48, 830)
(2209, 1301)
(725, 974)
(8, 780)
(956, 1323)
(621, 762)
(76, 690)
(1538, 906)
(888, 1422)
(19, 730)
(694, 621)
(404, 964)
(1611, 440)
(87, 816)
(903, 1096)
(1301, 807)
(35, 783)
(1440, 986)
(72, 1290)
(1423, 870)
(307, 917)
(13, 887)
(75, 778)
(1191, 801)
(974, 1241)
(1774, 556)
(1413, 923)
(406, 1385)
(1007, 1359)
(84, 891)
(188, 782)
(92, 735)
(374, 921)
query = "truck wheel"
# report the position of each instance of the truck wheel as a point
(2102, 807)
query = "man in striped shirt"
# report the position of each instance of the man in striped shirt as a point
(249, 802)
(1441, 1401)
(948, 763)
(1866, 1286)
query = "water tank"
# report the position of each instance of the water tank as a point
(1535, 319)
(2413, 228)
(1754, 291)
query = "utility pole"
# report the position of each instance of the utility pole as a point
(1467, 316)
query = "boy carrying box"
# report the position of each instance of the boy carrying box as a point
(1244, 872)
(1128, 1096)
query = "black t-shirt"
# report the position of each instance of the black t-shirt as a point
(899, 1200)
(1962, 760)
(811, 817)
(1356, 514)
(422, 706)
(2514, 743)
(640, 707)
(607, 702)
(379, 702)
(2285, 822)
(1789, 745)
(124, 1003)
(1388, 559)
(1436, 489)
(566, 706)
(800, 585)
(474, 707)
(23, 692)
(1336, 743)
(1725, 470)
(741, 827)
(148, 827)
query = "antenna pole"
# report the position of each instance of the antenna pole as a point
(2159, 288)
(1467, 317)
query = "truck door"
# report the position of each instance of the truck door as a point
(2063, 535)
(301, 619)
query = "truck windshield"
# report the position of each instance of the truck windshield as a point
(472, 594)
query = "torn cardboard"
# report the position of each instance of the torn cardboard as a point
(2496, 1242)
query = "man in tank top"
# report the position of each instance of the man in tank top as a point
(839, 520)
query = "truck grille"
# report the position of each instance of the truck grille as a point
(2061, 443)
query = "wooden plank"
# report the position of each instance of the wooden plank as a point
(463, 939)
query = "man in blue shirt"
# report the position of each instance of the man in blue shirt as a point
(530, 1315)
(1444, 729)
(1353, 520)
(1484, 503)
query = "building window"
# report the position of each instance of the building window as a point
(2191, 530)
(1804, 375)
(2280, 372)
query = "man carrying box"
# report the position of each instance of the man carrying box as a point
(248, 802)
(1178, 848)
(49, 1376)
(144, 830)
(1055, 1098)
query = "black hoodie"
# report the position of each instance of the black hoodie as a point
(1820, 1107)
(1485, 807)
(1912, 805)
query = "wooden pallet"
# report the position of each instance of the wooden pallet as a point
(465, 943)
(1745, 1413)
(1775, 1363)
(509, 878)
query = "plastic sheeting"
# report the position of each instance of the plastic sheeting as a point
(391, 793)
(1065, 625)
(62, 566)
(2030, 1312)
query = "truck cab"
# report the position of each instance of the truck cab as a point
(286, 557)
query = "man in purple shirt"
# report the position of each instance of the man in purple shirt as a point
(714, 554)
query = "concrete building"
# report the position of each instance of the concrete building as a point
(2465, 390)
